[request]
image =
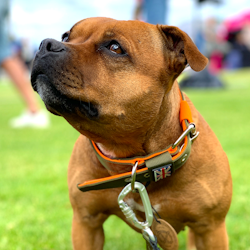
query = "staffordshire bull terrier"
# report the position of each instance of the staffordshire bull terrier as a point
(115, 82)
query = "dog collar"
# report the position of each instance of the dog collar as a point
(152, 167)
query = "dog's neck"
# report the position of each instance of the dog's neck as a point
(106, 152)
(165, 131)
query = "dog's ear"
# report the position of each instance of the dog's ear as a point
(181, 44)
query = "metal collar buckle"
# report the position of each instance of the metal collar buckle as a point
(190, 130)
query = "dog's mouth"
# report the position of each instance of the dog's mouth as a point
(59, 103)
(52, 98)
(34, 77)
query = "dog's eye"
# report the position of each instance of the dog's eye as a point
(65, 37)
(115, 47)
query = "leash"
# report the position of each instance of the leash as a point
(152, 167)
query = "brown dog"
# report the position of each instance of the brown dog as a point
(115, 82)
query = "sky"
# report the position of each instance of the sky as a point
(40, 19)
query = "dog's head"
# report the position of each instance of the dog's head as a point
(108, 78)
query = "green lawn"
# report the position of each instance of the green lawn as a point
(35, 212)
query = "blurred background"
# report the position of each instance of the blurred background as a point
(35, 146)
(220, 28)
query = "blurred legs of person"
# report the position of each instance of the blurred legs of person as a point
(15, 68)
(33, 116)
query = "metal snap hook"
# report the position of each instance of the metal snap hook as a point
(130, 215)
(128, 212)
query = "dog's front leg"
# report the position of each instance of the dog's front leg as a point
(87, 233)
(214, 238)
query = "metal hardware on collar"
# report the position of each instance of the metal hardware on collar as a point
(193, 131)
(195, 136)
(133, 177)
(162, 172)
(190, 129)
(128, 212)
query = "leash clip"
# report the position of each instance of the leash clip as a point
(129, 213)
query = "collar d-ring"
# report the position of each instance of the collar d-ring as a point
(133, 177)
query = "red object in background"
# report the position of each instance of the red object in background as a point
(236, 23)
(216, 62)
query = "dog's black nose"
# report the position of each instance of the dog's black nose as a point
(51, 45)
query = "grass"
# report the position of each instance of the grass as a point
(35, 212)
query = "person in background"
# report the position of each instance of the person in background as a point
(15, 68)
(239, 56)
(151, 11)
(215, 47)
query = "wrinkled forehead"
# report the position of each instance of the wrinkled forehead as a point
(93, 23)
(107, 27)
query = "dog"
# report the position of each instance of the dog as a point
(115, 83)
